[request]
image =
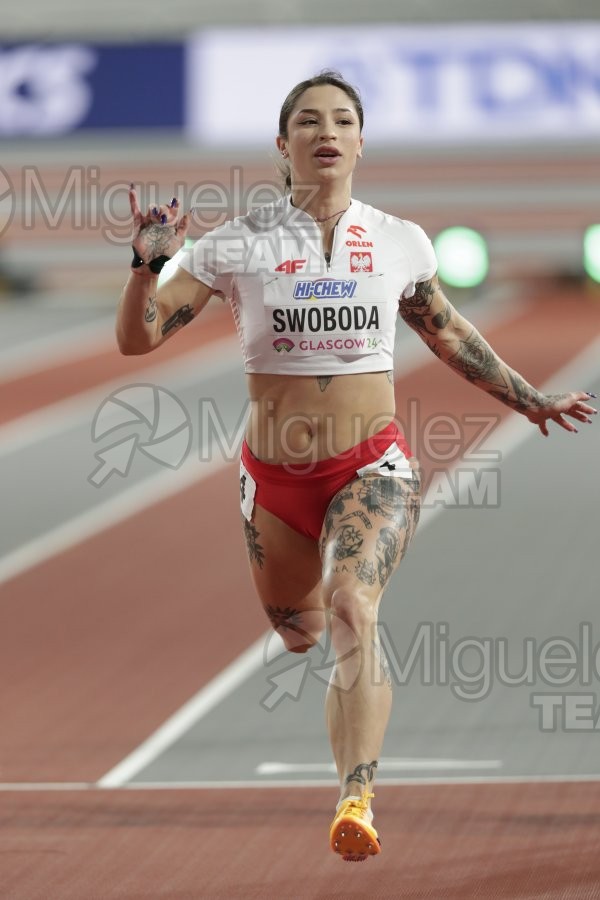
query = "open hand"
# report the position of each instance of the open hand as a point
(158, 233)
(556, 406)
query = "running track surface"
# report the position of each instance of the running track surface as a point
(102, 643)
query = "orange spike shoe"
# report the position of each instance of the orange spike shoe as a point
(351, 834)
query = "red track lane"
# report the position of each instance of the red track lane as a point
(98, 646)
(22, 395)
(454, 842)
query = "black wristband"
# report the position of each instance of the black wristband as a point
(155, 265)
(137, 260)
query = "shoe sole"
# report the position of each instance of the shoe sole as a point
(354, 840)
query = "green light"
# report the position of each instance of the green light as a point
(591, 252)
(171, 267)
(462, 257)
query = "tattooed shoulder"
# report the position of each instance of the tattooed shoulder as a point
(424, 291)
(416, 310)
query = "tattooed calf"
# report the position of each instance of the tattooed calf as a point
(384, 665)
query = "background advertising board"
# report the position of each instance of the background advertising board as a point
(49, 90)
(423, 84)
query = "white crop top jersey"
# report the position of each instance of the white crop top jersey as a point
(297, 315)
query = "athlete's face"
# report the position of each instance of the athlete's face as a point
(323, 140)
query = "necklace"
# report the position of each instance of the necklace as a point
(332, 216)
(326, 218)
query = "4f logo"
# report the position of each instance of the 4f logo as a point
(291, 266)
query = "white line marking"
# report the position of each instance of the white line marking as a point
(329, 783)
(65, 346)
(211, 694)
(218, 357)
(384, 765)
(105, 515)
(507, 437)
(513, 432)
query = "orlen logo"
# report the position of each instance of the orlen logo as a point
(356, 230)
(324, 289)
(291, 266)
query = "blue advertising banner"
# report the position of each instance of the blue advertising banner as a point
(55, 89)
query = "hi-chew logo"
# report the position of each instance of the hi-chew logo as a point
(325, 289)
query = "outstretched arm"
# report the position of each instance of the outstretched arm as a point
(457, 342)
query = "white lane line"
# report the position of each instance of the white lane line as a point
(70, 344)
(384, 765)
(198, 706)
(578, 374)
(106, 515)
(507, 437)
(218, 357)
(8, 787)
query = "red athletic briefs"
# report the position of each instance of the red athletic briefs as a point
(299, 494)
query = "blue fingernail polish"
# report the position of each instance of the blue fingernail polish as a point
(163, 219)
(174, 202)
(154, 211)
(591, 395)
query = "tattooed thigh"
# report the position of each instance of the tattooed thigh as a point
(368, 528)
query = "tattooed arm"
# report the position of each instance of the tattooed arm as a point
(458, 343)
(147, 316)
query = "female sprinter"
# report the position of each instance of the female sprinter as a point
(329, 493)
